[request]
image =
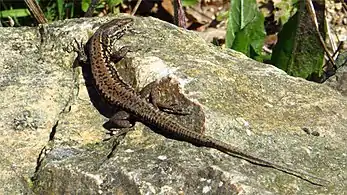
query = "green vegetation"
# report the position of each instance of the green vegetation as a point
(298, 50)
(245, 30)
(53, 10)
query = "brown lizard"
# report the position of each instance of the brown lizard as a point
(118, 93)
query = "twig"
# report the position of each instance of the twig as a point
(312, 12)
(332, 42)
(337, 51)
(136, 7)
(179, 16)
(36, 11)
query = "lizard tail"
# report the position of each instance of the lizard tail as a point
(166, 125)
(235, 152)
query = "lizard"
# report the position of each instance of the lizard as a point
(112, 87)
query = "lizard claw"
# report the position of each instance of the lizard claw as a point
(79, 49)
(133, 31)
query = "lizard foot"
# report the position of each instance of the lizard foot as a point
(165, 96)
(79, 49)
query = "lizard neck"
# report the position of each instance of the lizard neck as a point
(107, 80)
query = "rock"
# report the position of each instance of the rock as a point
(338, 81)
(52, 135)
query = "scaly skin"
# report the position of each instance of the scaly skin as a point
(111, 86)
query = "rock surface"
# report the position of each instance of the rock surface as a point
(52, 135)
(339, 80)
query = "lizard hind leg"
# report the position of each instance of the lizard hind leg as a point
(121, 119)
(165, 97)
(119, 124)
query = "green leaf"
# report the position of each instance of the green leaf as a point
(85, 4)
(51, 13)
(222, 15)
(14, 13)
(189, 2)
(245, 29)
(72, 11)
(113, 3)
(284, 10)
(298, 50)
(60, 5)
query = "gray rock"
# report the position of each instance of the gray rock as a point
(339, 80)
(52, 135)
